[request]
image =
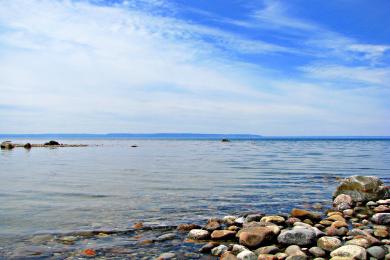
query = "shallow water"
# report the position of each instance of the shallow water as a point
(110, 185)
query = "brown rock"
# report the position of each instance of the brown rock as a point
(228, 256)
(223, 234)
(338, 224)
(187, 227)
(212, 225)
(255, 237)
(303, 214)
(266, 257)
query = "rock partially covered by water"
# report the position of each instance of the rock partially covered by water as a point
(52, 143)
(7, 145)
(363, 188)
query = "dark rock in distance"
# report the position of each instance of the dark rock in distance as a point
(27, 146)
(7, 145)
(225, 140)
(52, 143)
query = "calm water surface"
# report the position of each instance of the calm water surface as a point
(111, 186)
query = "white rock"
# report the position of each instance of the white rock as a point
(246, 255)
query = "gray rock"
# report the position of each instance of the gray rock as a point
(377, 252)
(246, 255)
(317, 252)
(219, 250)
(300, 236)
(165, 237)
(267, 250)
(381, 218)
(351, 251)
(363, 188)
(198, 234)
(254, 217)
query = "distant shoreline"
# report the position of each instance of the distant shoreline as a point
(186, 136)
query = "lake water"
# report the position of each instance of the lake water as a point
(110, 185)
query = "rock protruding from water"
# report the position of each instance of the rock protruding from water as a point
(52, 143)
(363, 188)
(7, 145)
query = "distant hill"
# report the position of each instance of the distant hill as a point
(136, 136)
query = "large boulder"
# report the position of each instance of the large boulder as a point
(7, 145)
(253, 237)
(363, 188)
(52, 143)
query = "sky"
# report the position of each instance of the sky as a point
(269, 67)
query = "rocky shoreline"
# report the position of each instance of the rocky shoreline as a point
(357, 227)
(8, 145)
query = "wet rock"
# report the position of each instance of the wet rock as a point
(228, 256)
(381, 218)
(381, 231)
(273, 219)
(212, 225)
(326, 222)
(348, 213)
(267, 250)
(27, 146)
(223, 234)
(7, 145)
(165, 237)
(296, 257)
(40, 239)
(138, 225)
(69, 240)
(339, 224)
(198, 234)
(351, 251)
(359, 242)
(255, 236)
(239, 221)
(166, 256)
(377, 252)
(336, 217)
(187, 227)
(317, 251)
(233, 228)
(371, 204)
(384, 202)
(207, 247)
(281, 256)
(363, 188)
(246, 255)
(328, 243)
(302, 214)
(219, 250)
(301, 236)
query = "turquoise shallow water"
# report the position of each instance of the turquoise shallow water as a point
(110, 185)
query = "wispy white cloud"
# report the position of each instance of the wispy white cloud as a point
(84, 67)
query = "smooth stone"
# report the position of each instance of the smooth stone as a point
(301, 236)
(39, 239)
(207, 247)
(371, 204)
(294, 250)
(339, 224)
(359, 242)
(348, 213)
(166, 256)
(352, 251)
(7, 145)
(246, 255)
(281, 256)
(239, 220)
(229, 220)
(223, 234)
(268, 250)
(336, 218)
(301, 213)
(328, 243)
(343, 202)
(267, 257)
(238, 249)
(254, 217)
(198, 234)
(256, 236)
(291, 221)
(228, 256)
(377, 252)
(165, 237)
(219, 250)
(273, 219)
(275, 228)
(212, 225)
(387, 202)
(382, 209)
(296, 257)
(187, 227)
(381, 218)
(317, 251)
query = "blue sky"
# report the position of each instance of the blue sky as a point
(293, 67)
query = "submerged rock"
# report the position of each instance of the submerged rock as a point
(363, 188)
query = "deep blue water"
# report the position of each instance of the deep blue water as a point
(110, 185)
